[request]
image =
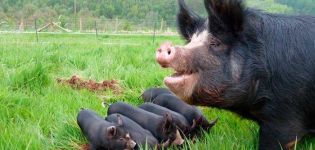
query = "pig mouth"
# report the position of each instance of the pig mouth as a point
(178, 77)
(182, 83)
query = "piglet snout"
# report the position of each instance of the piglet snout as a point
(165, 54)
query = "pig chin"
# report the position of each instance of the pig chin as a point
(182, 85)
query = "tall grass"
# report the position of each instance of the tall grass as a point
(38, 113)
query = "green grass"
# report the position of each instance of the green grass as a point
(38, 113)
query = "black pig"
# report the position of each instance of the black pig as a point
(140, 135)
(150, 94)
(178, 119)
(163, 128)
(102, 134)
(256, 64)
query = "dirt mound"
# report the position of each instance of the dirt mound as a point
(79, 83)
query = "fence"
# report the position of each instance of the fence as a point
(90, 25)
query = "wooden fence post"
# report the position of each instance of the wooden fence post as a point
(36, 30)
(96, 32)
(154, 32)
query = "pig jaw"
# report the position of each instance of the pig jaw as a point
(183, 86)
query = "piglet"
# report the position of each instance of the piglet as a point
(150, 94)
(178, 119)
(102, 134)
(141, 136)
(193, 115)
(163, 128)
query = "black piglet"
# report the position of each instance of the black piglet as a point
(163, 128)
(102, 134)
(165, 98)
(178, 119)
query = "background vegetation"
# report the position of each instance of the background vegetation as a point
(73, 13)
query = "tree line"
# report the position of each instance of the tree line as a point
(65, 11)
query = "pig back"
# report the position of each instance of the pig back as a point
(145, 119)
(173, 103)
(179, 119)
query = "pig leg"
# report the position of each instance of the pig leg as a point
(276, 137)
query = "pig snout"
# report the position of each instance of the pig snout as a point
(165, 54)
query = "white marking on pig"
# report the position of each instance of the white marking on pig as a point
(236, 67)
(198, 40)
(179, 140)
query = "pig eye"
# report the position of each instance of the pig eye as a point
(215, 44)
(217, 47)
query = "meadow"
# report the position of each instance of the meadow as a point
(38, 113)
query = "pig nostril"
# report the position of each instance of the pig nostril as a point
(169, 52)
(159, 50)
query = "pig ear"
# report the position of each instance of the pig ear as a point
(212, 123)
(119, 120)
(169, 117)
(226, 19)
(188, 22)
(194, 125)
(168, 121)
(111, 131)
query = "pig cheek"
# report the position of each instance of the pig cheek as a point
(183, 60)
(180, 60)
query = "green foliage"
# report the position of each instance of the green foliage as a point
(300, 6)
(17, 11)
(270, 6)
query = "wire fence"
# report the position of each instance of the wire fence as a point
(90, 25)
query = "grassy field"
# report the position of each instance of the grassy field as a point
(38, 113)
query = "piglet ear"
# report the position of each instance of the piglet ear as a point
(111, 131)
(168, 116)
(194, 125)
(119, 120)
(226, 18)
(213, 122)
(209, 125)
(188, 21)
(168, 121)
